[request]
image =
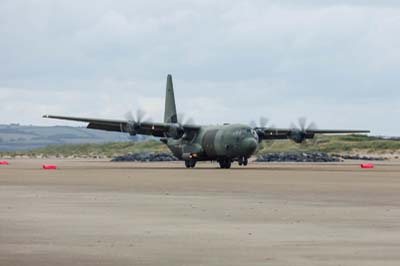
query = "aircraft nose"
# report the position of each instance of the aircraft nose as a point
(249, 146)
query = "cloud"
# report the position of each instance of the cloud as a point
(231, 60)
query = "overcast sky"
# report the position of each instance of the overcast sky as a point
(335, 62)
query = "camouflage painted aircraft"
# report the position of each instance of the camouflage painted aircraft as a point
(192, 143)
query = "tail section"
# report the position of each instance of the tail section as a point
(170, 115)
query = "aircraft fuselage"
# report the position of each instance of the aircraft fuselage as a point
(226, 142)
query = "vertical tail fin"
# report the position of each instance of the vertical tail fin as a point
(170, 115)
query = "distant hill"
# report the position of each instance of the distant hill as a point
(16, 137)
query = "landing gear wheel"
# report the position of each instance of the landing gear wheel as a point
(187, 164)
(225, 164)
(190, 163)
(243, 161)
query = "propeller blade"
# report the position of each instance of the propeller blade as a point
(312, 126)
(138, 118)
(263, 121)
(140, 114)
(299, 132)
(190, 121)
(302, 123)
(129, 117)
(293, 126)
(182, 120)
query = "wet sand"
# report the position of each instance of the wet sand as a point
(102, 213)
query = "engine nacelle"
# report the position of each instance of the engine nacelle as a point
(132, 128)
(175, 132)
(300, 136)
(261, 134)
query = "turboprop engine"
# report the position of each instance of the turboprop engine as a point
(300, 133)
(299, 136)
(175, 131)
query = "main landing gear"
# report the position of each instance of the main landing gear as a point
(191, 163)
(243, 161)
(225, 163)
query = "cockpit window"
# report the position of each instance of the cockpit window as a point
(254, 133)
(245, 132)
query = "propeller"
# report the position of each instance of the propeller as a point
(138, 118)
(261, 127)
(182, 120)
(262, 123)
(177, 131)
(303, 126)
(134, 121)
(300, 132)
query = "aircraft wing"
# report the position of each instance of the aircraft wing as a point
(142, 128)
(299, 135)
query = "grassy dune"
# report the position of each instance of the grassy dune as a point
(93, 150)
(330, 144)
(336, 144)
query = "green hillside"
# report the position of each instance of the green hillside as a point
(16, 137)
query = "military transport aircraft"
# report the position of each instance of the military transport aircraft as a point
(191, 143)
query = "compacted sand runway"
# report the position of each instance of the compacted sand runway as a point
(102, 213)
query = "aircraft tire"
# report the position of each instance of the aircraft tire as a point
(190, 163)
(243, 161)
(225, 164)
(187, 164)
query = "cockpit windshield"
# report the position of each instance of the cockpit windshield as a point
(246, 132)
